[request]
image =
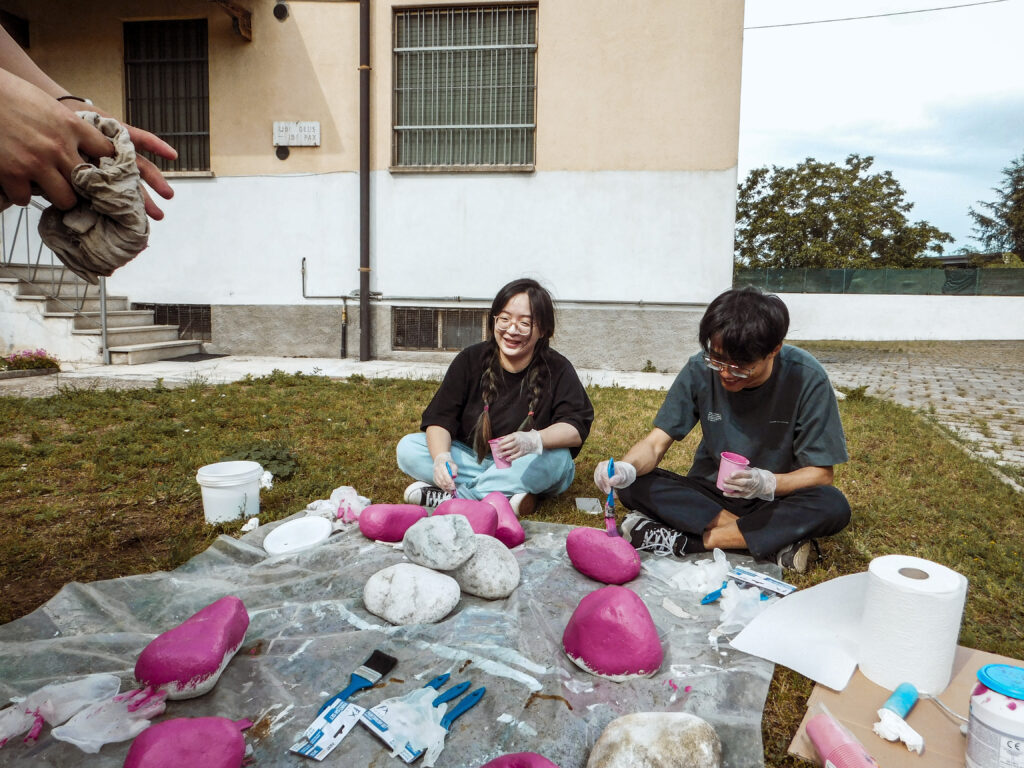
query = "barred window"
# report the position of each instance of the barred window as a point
(465, 87)
(167, 85)
(429, 328)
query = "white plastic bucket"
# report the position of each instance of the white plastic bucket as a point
(231, 489)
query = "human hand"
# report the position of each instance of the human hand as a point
(444, 479)
(751, 483)
(624, 475)
(148, 171)
(518, 444)
(41, 142)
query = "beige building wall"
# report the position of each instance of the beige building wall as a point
(651, 85)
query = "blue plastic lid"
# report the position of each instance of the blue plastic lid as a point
(1004, 679)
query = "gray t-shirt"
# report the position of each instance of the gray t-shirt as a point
(790, 421)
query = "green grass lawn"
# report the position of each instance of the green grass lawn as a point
(101, 484)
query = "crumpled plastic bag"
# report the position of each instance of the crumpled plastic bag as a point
(344, 506)
(267, 480)
(54, 703)
(701, 577)
(108, 227)
(120, 718)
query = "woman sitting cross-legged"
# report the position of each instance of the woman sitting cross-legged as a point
(513, 387)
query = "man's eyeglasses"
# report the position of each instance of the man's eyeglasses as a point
(733, 370)
(504, 322)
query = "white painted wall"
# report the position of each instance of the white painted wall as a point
(641, 236)
(873, 317)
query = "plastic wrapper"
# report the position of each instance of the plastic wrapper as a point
(120, 718)
(309, 630)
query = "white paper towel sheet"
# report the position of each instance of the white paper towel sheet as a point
(900, 621)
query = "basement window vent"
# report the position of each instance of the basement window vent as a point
(193, 320)
(436, 329)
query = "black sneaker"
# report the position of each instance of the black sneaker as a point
(648, 535)
(798, 556)
(426, 495)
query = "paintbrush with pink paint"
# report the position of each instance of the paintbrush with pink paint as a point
(609, 505)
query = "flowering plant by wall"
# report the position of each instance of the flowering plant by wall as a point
(27, 360)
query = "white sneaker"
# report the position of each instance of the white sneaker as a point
(426, 495)
(523, 503)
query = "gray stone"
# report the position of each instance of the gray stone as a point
(491, 573)
(657, 740)
(442, 543)
(410, 594)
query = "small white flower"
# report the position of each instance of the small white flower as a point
(188, 430)
(192, 400)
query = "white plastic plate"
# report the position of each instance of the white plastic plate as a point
(297, 535)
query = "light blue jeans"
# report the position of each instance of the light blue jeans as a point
(547, 474)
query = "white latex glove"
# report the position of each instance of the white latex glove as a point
(118, 719)
(518, 444)
(625, 474)
(752, 483)
(444, 479)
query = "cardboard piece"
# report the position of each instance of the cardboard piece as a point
(856, 707)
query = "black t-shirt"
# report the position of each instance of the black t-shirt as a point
(458, 402)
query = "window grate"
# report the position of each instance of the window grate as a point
(465, 86)
(167, 85)
(422, 328)
(194, 321)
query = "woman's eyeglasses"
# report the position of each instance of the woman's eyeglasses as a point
(733, 370)
(504, 322)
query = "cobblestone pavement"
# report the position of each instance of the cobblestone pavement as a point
(976, 389)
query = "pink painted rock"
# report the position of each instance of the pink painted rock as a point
(389, 522)
(483, 518)
(520, 760)
(509, 531)
(611, 634)
(609, 559)
(200, 742)
(188, 660)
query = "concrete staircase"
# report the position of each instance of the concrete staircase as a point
(69, 305)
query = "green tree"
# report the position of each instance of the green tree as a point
(999, 226)
(829, 216)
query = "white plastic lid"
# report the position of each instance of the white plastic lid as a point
(297, 535)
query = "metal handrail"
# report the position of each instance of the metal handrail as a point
(44, 270)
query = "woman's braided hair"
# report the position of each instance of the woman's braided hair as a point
(543, 313)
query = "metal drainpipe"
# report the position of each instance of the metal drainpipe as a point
(364, 179)
(103, 321)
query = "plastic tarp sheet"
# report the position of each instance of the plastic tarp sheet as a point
(309, 631)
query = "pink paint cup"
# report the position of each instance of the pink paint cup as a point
(731, 462)
(500, 462)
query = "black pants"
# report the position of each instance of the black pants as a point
(689, 504)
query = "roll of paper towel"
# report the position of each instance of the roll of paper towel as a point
(899, 622)
(912, 613)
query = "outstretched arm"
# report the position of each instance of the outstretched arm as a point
(42, 140)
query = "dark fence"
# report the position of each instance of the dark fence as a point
(964, 282)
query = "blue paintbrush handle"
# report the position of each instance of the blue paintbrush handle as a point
(464, 705)
(438, 681)
(451, 693)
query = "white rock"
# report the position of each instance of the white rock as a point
(657, 740)
(410, 594)
(441, 543)
(492, 572)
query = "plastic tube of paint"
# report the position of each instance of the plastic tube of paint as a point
(892, 725)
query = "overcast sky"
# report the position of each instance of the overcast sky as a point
(937, 98)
